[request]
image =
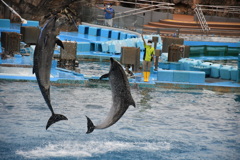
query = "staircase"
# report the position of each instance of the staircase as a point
(201, 19)
(185, 24)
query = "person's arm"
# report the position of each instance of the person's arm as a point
(102, 8)
(113, 13)
(143, 40)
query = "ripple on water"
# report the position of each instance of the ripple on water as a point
(166, 124)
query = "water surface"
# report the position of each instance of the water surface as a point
(166, 124)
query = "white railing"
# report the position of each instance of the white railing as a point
(201, 19)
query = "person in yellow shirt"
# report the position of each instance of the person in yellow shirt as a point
(147, 59)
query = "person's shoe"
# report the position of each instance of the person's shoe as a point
(145, 76)
(148, 75)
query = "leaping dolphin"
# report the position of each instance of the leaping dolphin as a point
(121, 96)
(43, 55)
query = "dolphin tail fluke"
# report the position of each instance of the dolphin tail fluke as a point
(90, 125)
(55, 118)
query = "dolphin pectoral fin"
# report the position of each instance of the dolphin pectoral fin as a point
(104, 76)
(59, 42)
(90, 125)
(55, 118)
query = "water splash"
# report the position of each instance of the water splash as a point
(89, 148)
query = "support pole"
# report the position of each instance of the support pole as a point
(11, 9)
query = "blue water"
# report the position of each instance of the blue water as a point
(166, 124)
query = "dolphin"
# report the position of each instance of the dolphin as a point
(121, 97)
(43, 55)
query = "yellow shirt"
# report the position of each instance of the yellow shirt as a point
(149, 51)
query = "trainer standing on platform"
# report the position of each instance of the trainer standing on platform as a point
(147, 59)
(108, 13)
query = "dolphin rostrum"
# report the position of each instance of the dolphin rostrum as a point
(121, 96)
(43, 55)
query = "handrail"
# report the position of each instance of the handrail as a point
(140, 11)
(160, 5)
(11, 9)
(134, 15)
(192, 31)
(134, 10)
(225, 9)
(201, 19)
(147, 2)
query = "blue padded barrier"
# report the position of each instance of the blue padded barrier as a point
(92, 46)
(123, 35)
(118, 46)
(83, 29)
(31, 23)
(106, 33)
(115, 35)
(94, 31)
(182, 61)
(225, 72)
(138, 77)
(238, 77)
(17, 59)
(206, 64)
(215, 70)
(4, 23)
(187, 63)
(114, 47)
(130, 43)
(105, 47)
(174, 66)
(131, 36)
(165, 75)
(234, 74)
(83, 47)
(27, 60)
(163, 65)
(190, 63)
(181, 76)
(123, 43)
(159, 46)
(98, 46)
(239, 61)
(140, 45)
(196, 77)
(206, 69)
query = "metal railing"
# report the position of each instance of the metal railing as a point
(221, 10)
(130, 20)
(201, 19)
(176, 32)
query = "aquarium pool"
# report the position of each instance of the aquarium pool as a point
(166, 124)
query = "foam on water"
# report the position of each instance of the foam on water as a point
(89, 148)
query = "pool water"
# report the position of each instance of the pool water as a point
(166, 124)
(96, 69)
